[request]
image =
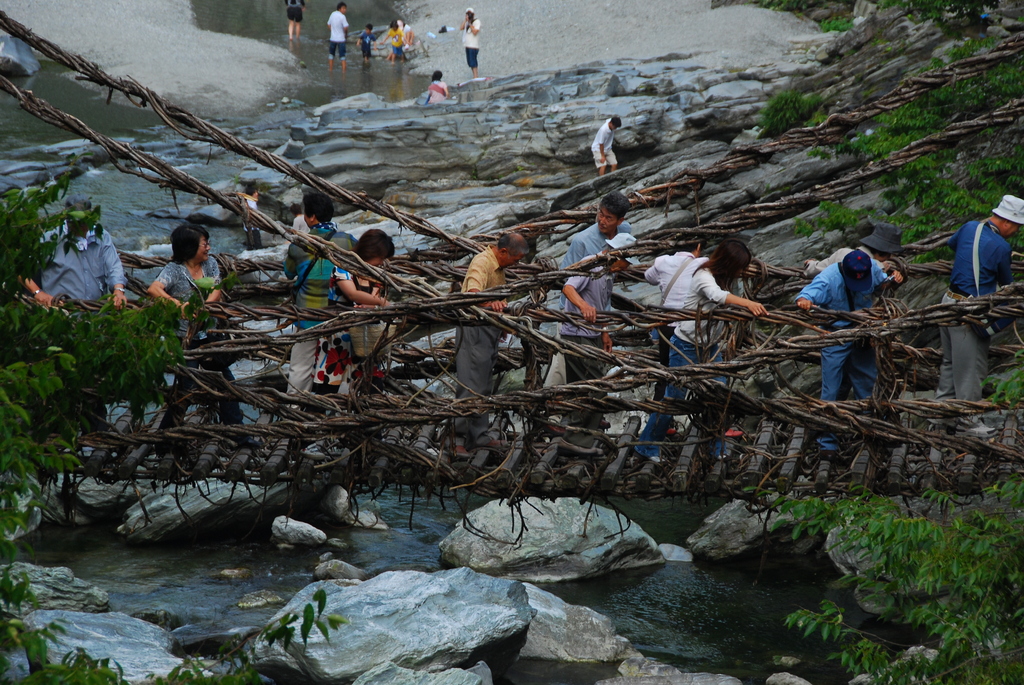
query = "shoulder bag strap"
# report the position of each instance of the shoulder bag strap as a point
(976, 262)
(679, 272)
(302, 279)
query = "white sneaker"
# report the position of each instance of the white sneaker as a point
(978, 430)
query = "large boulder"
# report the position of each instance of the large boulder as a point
(735, 532)
(140, 648)
(208, 508)
(57, 588)
(551, 541)
(566, 632)
(427, 622)
(392, 674)
(16, 58)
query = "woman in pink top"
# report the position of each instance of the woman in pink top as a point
(438, 89)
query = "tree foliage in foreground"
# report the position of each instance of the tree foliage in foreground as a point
(960, 581)
(53, 365)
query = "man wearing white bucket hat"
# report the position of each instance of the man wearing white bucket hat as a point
(981, 264)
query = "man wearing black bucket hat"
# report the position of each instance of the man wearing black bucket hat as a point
(981, 264)
(881, 245)
(845, 287)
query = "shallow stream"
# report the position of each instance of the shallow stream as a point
(722, 618)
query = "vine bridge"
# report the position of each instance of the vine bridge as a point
(403, 436)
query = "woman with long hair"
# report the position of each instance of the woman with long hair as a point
(696, 342)
(339, 357)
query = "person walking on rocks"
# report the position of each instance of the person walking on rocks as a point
(312, 276)
(476, 347)
(602, 145)
(470, 28)
(338, 24)
(884, 242)
(845, 287)
(295, 9)
(586, 296)
(711, 280)
(981, 264)
(397, 40)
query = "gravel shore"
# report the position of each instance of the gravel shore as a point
(529, 35)
(158, 43)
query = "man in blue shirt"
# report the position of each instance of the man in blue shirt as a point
(611, 221)
(586, 297)
(845, 287)
(964, 352)
(85, 265)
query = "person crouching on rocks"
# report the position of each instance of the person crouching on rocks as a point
(438, 89)
(710, 284)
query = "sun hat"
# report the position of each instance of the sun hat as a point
(1011, 208)
(857, 271)
(469, 10)
(620, 241)
(885, 238)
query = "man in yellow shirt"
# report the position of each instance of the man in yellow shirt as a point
(476, 347)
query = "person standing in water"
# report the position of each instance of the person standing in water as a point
(339, 34)
(295, 8)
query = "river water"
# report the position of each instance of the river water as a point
(722, 618)
(725, 618)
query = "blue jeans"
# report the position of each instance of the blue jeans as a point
(471, 57)
(681, 353)
(857, 365)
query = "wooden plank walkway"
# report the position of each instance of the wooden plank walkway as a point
(775, 458)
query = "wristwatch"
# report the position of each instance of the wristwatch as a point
(36, 291)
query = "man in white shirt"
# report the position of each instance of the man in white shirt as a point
(602, 146)
(470, 28)
(339, 34)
